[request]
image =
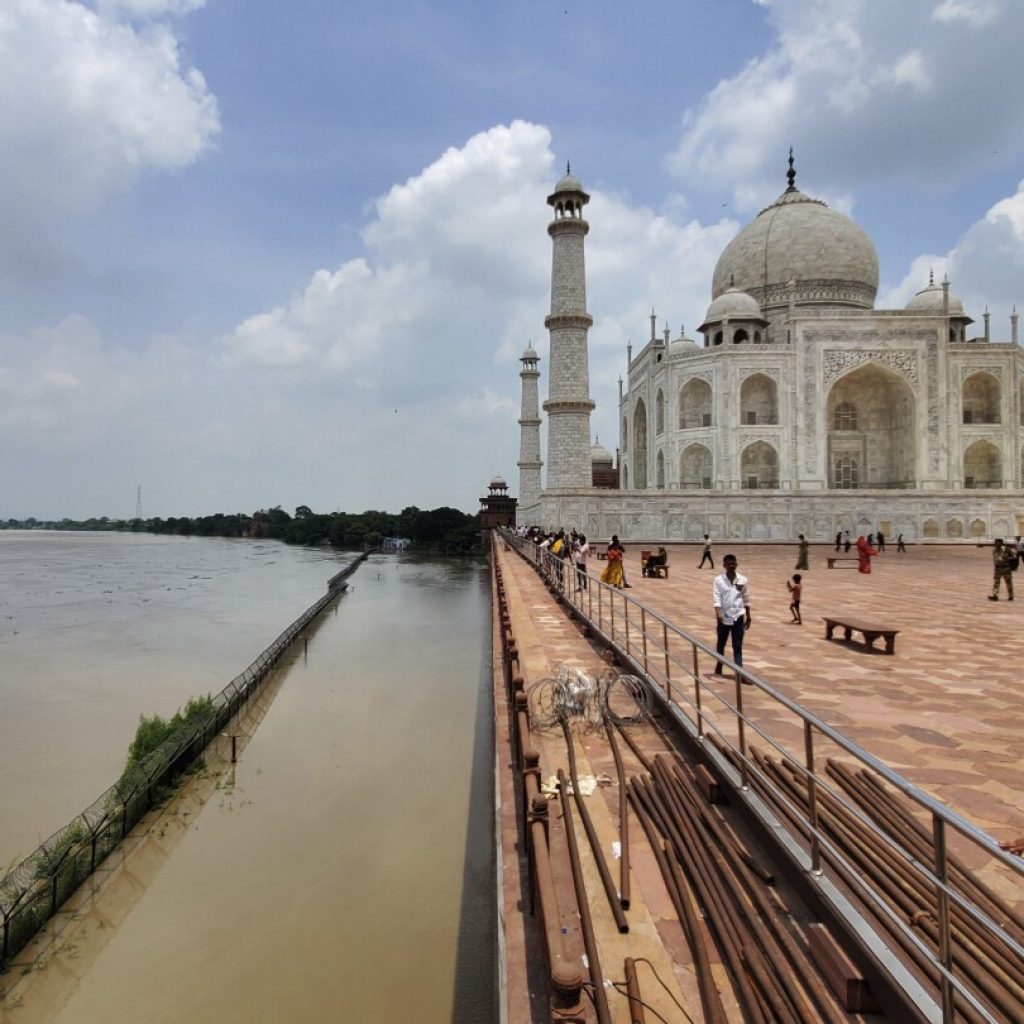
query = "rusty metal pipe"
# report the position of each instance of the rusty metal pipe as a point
(636, 1004)
(620, 773)
(586, 923)
(595, 843)
(710, 998)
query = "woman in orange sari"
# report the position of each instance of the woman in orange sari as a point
(612, 574)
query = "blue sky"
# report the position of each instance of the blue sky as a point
(257, 254)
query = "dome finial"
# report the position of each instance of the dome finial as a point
(568, 169)
(791, 173)
(732, 280)
(931, 278)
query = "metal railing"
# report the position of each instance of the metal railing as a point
(753, 710)
(32, 892)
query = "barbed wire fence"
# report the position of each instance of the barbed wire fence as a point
(588, 702)
(33, 891)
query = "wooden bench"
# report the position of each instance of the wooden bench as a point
(870, 631)
(832, 562)
(654, 566)
(602, 556)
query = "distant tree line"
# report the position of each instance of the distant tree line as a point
(441, 529)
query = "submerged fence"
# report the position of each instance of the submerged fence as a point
(33, 891)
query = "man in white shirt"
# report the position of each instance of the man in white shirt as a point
(581, 552)
(731, 596)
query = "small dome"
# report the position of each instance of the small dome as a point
(530, 353)
(929, 300)
(682, 345)
(735, 305)
(498, 483)
(569, 183)
(600, 454)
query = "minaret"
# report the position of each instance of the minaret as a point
(568, 405)
(529, 432)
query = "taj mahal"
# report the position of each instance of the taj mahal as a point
(801, 409)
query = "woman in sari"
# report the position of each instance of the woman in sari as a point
(864, 554)
(612, 574)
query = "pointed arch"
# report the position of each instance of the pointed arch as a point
(981, 398)
(759, 400)
(696, 467)
(759, 466)
(640, 445)
(695, 408)
(659, 412)
(659, 471)
(872, 440)
(983, 466)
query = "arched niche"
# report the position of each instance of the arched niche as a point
(695, 467)
(983, 466)
(980, 397)
(759, 400)
(954, 528)
(695, 404)
(872, 440)
(640, 445)
(625, 434)
(659, 412)
(625, 478)
(930, 528)
(659, 471)
(759, 466)
(979, 528)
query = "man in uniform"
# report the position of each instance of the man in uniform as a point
(1002, 557)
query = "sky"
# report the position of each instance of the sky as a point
(259, 254)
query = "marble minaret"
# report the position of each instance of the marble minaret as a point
(568, 405)
(529, 436)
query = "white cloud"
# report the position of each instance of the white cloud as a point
(865, 92)
(147, 8)
(87, 103)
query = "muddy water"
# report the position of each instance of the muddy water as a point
(341, 871)
(97, 629)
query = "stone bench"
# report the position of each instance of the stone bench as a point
(870, 631)
(832, 562)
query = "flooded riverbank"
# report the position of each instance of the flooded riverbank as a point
(342, 871)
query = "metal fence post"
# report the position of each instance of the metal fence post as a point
(945, 951)
(696, 692)
(668, 660)
(812, 798)
(643, 634)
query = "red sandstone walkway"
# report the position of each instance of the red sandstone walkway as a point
(946, 711)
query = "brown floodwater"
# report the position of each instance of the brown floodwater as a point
(342, 870)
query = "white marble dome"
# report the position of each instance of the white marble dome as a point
(599, 455)
(735, 305)
(569, 183)
(832, 260)
(498, 483)
(929, 300)
(530, 354)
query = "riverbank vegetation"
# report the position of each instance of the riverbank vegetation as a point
(444, 529)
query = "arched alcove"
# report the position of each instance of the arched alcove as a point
(983, 466)
(640, 445)
(659, 471)
(695, 467)
(740, 336)
(930, 528)
(954, 528)
(979, 528)
(759, 466)
(695, 404)
(625, 434)
(759, 400)
(659, 412)
(871, 438)
(981, 399)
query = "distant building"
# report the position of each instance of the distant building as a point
(498, 508)
(801, 409)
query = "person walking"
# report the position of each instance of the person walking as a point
(795, 588)
(846, 542)
(581, 552)
(839, 539)
(900, 546)
(1003, 557)
(730, 594)
(881, 542)
(706, 556)
(801, 558)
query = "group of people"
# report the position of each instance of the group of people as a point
(569, 546)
